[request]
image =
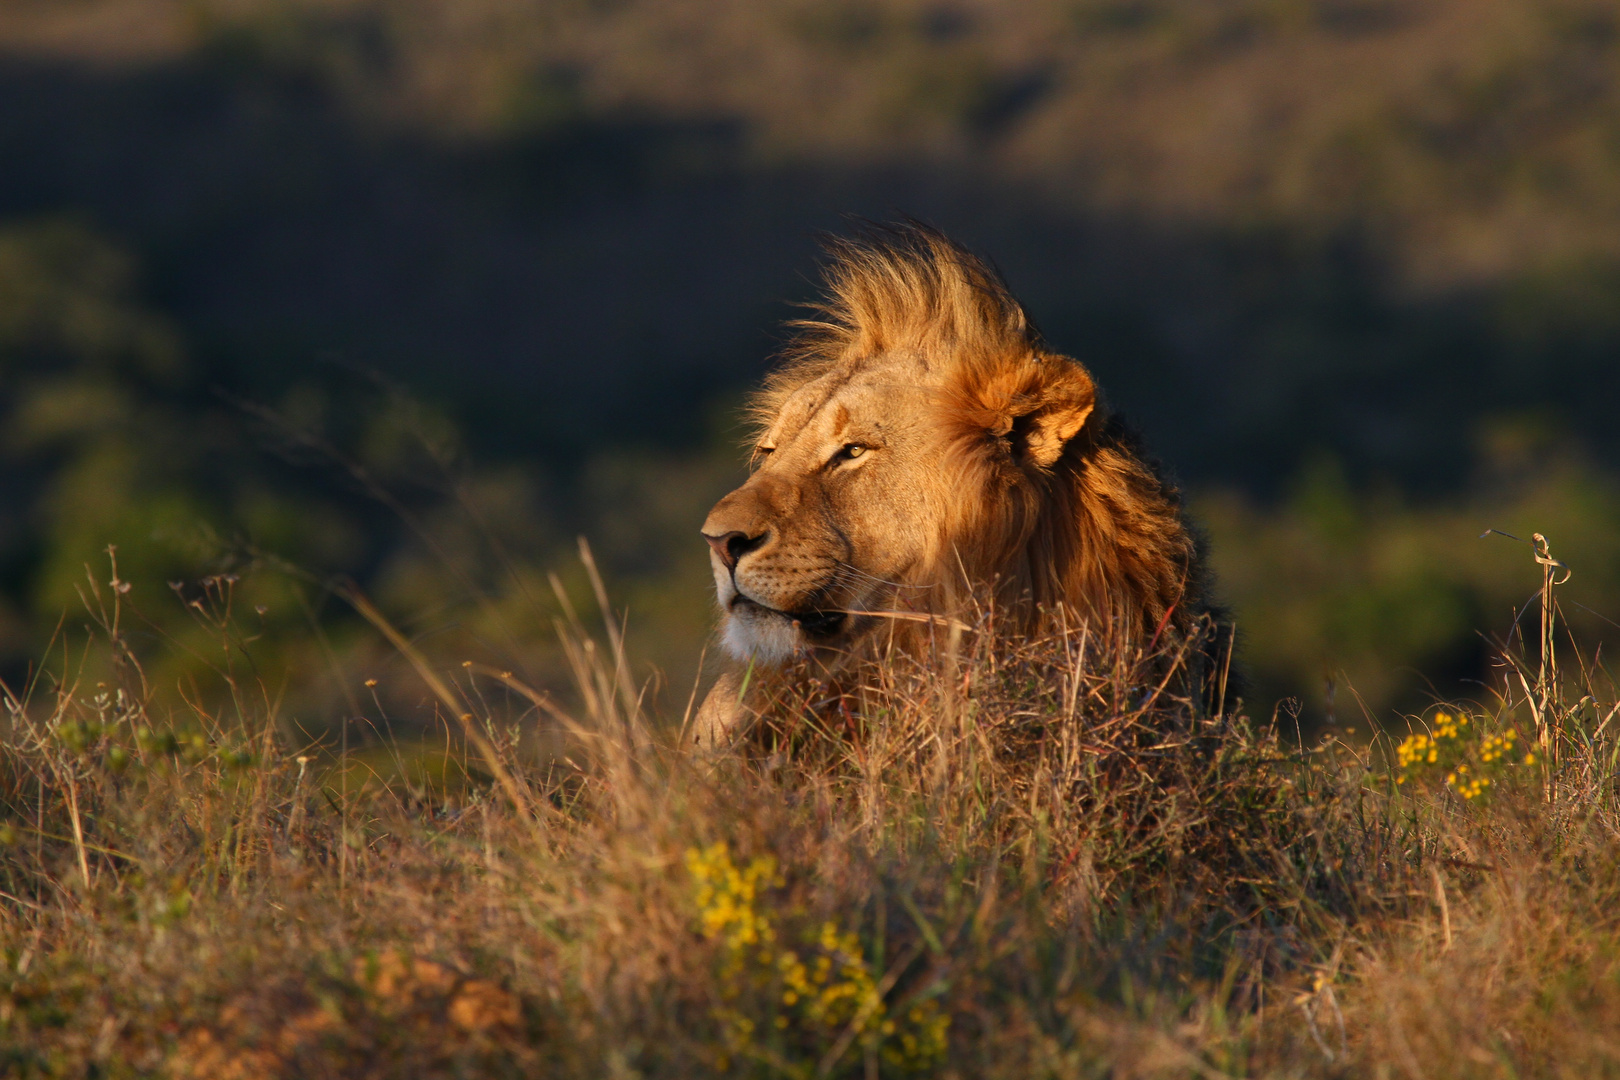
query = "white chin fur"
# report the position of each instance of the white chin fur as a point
(763, 638)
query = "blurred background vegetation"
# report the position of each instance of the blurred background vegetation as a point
(414, 292)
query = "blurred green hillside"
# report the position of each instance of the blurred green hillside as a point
(414, 292)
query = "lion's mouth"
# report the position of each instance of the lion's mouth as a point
(814, 623)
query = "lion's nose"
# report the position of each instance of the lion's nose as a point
(732, 546)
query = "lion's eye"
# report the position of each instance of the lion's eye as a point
(853, 450)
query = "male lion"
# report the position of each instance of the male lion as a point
(920, 443)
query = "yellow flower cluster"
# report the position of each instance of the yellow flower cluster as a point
(1449, 725)
(726, 894)
(1417, 750)
(1467, 785)
(1470, 768)
(816, 996)
(1497, 747)
(837, 986)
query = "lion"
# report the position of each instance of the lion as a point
(918, 445)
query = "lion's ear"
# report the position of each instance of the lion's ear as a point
(1053, 412)
(1031, 405)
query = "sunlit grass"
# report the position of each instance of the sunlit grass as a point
(1016, 858)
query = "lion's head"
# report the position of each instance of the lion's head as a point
(919, 442)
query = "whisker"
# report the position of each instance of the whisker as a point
(915, 616)
(858, 573)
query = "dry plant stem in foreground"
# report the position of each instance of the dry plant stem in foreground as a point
(1032, 858)
(1547, 686)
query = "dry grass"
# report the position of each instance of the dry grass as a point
(1030, 859)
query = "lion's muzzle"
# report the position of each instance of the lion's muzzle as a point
(776, 569)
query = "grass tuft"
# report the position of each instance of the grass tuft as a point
(1012, 858)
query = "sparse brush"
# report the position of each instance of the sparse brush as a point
(1013, 858)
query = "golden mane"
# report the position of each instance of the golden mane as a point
(895, 287)
(1097, 530)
